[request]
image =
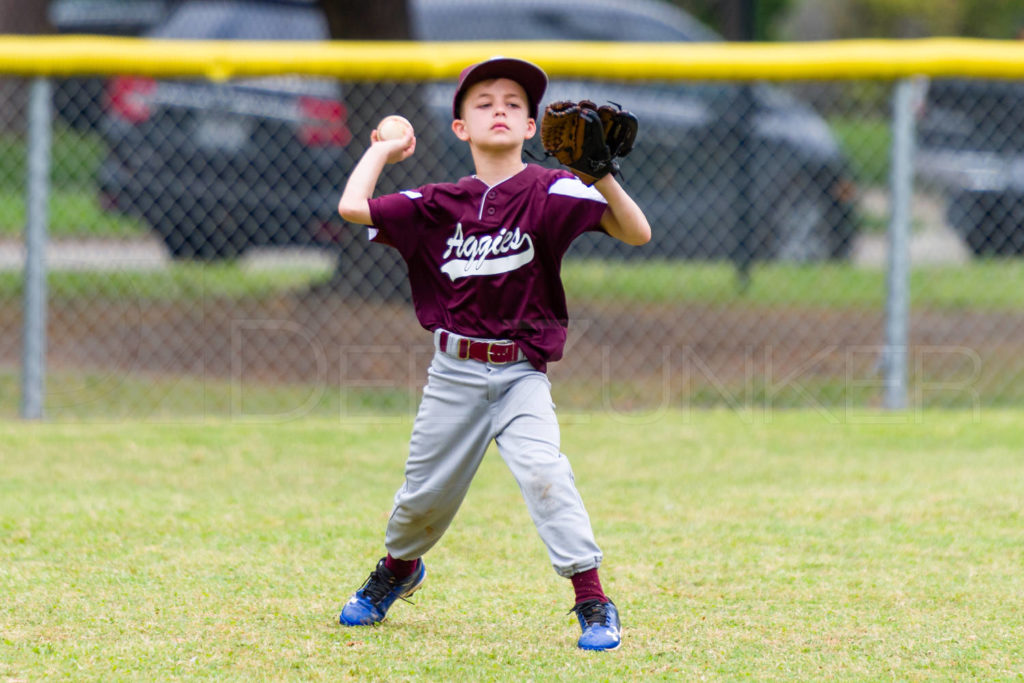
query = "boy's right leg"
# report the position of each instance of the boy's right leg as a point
(449, 438)
(371, 602)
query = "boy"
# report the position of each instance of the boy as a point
(484, 258)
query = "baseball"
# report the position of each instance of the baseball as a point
(392, 127)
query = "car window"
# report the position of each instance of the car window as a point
(461, 20)
(228, 20)
(599, 20)
(983, 115)
(119, 17)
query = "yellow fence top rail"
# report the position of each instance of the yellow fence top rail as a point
(885, 59)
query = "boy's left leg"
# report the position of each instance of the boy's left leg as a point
(529, 442)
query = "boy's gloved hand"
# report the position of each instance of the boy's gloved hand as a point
(587, 138)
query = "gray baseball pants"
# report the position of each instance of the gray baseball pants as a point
(466, 404)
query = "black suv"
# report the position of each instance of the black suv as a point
(722, 170)
(78, 101)
(971, 147)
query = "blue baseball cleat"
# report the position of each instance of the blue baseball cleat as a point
(600, 624)
(370, 603)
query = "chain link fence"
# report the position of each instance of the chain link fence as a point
(196, 265)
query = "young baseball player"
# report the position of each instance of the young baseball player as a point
(484, 256)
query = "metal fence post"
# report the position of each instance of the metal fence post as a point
(897, 301)
(33, 371)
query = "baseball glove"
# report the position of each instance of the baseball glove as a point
(587, 138)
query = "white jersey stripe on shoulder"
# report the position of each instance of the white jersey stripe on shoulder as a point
(574, 187)
(372, 232)
(412, 194)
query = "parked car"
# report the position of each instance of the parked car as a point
(216, 168)
(78, 101)
(106, 17)
(971, 147)
(722, 170)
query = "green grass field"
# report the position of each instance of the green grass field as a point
(150, 541)
(790, 545)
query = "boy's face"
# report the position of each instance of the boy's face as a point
(495, 115)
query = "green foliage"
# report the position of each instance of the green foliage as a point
(74, 213)
(182, 282)
(901, 18)
(867, 143)
(913, 19)
(1000, 19)
(993, 19)
(985, 285)
(74, 203)
(75, 158)
(996, 284)
(714, 13)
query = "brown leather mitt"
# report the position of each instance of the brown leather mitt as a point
(578, 135)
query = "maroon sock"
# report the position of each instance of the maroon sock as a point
(588, 586)
(400, 568)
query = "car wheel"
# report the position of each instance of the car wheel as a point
(800, 229)
(989, 222)
(186, 240)
(979, 241)
(985, 239)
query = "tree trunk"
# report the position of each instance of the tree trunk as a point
(18, 17)
(370, 270)
(361, 20)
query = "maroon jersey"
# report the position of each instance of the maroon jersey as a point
(486, 261)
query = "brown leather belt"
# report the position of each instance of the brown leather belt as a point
(495, 352)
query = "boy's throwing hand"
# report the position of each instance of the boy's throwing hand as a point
(398, 141)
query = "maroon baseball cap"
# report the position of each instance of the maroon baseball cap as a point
(529, 75)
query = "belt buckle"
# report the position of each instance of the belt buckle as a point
(506, 352)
